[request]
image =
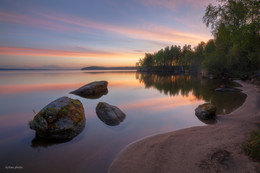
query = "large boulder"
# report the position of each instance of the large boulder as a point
(63, 118)
(92, 90)
(206, 111)
(109, 114)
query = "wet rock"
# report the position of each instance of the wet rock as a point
(206, 111)
(95, 96)
(63, 118)
(92, 90)
(109, 114)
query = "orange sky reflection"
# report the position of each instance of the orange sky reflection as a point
(166, 103)
(13, 89)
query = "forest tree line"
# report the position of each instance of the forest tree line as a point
(234, 50)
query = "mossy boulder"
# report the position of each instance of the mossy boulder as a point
(109, 114)
(206, 111)
(92, 90)
(63, 118)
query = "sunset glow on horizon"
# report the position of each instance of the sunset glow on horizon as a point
(101, 33)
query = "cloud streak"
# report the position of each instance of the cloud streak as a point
(119, 34)
(62, 22)
(62, 53)
(154, 32)
(29, 21)
(174, 4)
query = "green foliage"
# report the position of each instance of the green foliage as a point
(65, 110)
(234, 51)
(170, 56)
(252, 148)
(235, 26)
(171, 84)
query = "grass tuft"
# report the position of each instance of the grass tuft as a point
(252, 148)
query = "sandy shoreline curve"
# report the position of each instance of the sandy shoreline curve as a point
(213, 148)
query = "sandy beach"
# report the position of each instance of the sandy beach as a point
(212, 148)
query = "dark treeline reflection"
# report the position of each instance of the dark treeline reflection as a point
(202, 89)
(39, 142)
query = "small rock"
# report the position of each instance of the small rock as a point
(206, 111)
(109, 114)
(63, 118)
(92, 90)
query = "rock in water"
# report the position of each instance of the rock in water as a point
(92, 90)
(109, 114)
(225, 90)
(206, 111)
(63, 118)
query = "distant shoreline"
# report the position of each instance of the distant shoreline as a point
(91, 68)
(67, 70)
(108, 68)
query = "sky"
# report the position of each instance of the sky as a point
(80, 33)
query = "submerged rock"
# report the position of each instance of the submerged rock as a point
(109, 114)
(208, 121)
(225, 89)
(206, 111)
(63, 118)
(95, 96)
(92, 90)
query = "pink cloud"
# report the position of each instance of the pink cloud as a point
(174, 4)
(49, 52)
(153, 32)
(20, 19)
(63, 53)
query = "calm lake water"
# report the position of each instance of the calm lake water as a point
(153, 104)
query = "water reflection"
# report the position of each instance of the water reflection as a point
(148, 113)
(209, 122)
(94, 96)
(45, 143)
(202, 89)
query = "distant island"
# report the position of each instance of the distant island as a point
(46, 68)
(107, 68)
